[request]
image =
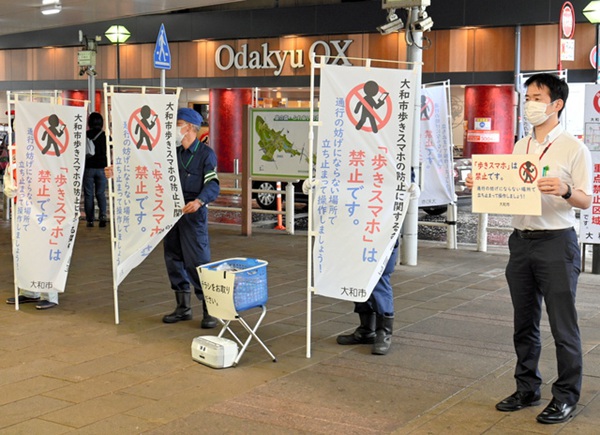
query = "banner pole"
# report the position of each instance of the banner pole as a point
(452, 231)
(12, 151)
(409, 247)
(310, 198)
(111, 197)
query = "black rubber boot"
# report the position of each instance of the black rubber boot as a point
(364, 334)
(208, 321)
(183, 310)
(383, 334)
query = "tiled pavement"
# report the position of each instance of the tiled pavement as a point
(72, 370)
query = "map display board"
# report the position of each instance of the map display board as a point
(279, 143)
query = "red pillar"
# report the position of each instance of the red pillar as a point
(490, 116)
(83, 95)
(225, 125)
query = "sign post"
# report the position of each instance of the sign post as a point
(592, 13)
(566, 43)
(162, 56)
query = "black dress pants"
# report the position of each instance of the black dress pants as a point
(546, 267)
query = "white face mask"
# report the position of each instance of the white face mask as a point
(535, 112)
(179, 137)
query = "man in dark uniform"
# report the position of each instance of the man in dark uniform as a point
(376, 313)
(186, 245)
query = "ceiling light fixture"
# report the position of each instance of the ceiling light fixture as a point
(50, 7)
(117, 34)
(592, 12)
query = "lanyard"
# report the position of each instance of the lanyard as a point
(543, 152)
(185, 165)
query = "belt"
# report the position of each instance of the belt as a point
(540, 234)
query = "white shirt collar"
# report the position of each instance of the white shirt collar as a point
(551, 136)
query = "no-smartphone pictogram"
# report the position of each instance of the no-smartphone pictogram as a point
(427, 108)
(528, 172)
(597, 102)
(363, 103)
(51, 135)
(144, 128)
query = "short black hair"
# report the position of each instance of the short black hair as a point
(95, 121)
(559, 89)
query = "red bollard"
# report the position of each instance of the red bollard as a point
(279, 225)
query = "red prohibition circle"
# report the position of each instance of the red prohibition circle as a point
(355, 93)
(525, 168)
(135, 117)
(567, 20)
(428, 104)
(593, 57)
(62, 141)
(597, 102)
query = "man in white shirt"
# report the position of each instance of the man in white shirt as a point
(544, 261)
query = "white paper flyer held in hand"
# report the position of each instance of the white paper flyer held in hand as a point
(507, 184)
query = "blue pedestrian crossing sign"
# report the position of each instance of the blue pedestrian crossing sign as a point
(162, 54)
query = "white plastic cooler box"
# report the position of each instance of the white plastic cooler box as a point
(215, 352)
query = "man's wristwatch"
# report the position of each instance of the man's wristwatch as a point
(569, 192)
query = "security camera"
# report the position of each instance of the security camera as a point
(423, 23)
(81, 71)
(392, 27)
(394, 24)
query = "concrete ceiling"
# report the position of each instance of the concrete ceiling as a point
(17, 16)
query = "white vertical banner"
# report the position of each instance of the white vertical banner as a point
(589, 221)
(436, 147)
(49, 167)
(592, 117)
(147, 192)
(362, 175)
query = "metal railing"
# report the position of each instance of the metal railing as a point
(229, 187)
(449, 225)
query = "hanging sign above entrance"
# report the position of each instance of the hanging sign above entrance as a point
(227, 57)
